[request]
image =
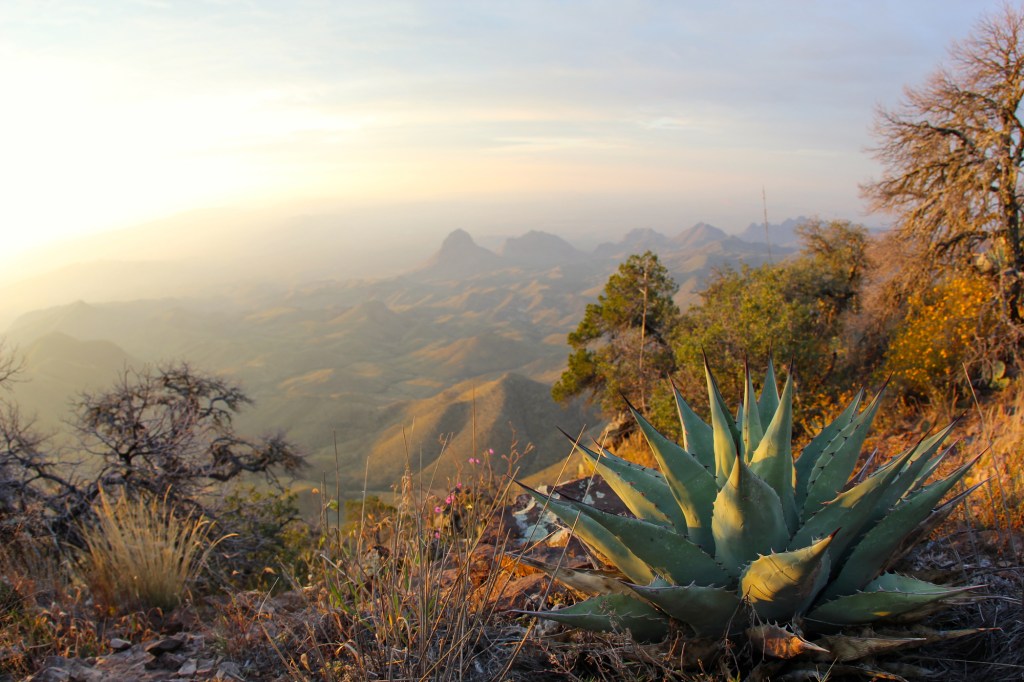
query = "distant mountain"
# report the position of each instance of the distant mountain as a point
(779, 234)
(467, 343)
(539, 250)
(502, 412)
(697, 236)
(57, 368)
(638, 240)
(459, 256)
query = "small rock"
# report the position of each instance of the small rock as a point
(118, 644)
(189, 668)
(166, 661)
(206, 667)
(52, 675)
(57, 662)
(229, 670)
(164, 645)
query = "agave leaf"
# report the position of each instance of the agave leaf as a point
(662, 549)
(934, 520)
(768, 403)
(611, 613)
(751, 432)
(595, 535)
(710, 611)
(876, 547)
(698, 438)
(692, 486)
(643, 490)
(848, 513)
(747, 519)
(781, 586)
(809, 455)
(724, 431)
(885, 598)
(845, 648)
(778, 642)
(588, 581)
(773, 459)
(913, 472)
(838, 459)
(932, 466)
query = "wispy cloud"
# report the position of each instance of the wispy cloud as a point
(116, 111)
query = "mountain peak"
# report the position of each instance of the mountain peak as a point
(538, 248)
(637, 240)
(699, 235)
(459, 256)
(456, 240)
(777, 234)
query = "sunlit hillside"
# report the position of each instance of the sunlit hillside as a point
(353, 364)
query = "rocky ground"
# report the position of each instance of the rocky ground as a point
(255, 636)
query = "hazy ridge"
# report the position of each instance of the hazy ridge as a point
(381, 368)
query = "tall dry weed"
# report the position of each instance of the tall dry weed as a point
(410, 593)
(140, 553)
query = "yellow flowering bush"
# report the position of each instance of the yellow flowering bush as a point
(942, 328)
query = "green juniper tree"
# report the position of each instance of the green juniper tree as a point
(621, 347)
(794, 310)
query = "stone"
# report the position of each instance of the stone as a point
(118, 644)
(189, 668)
(229, 670)
(164, 645)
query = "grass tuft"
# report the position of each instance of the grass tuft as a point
(140, 553)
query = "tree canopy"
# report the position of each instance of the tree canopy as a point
(953, 153)
(793, 310)
(622, 344)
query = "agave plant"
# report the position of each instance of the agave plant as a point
(734, 534)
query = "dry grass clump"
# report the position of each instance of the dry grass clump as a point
(407, 592)
(41, 612)
(140, 553)
(1000, 504)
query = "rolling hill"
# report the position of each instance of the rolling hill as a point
(463, 346)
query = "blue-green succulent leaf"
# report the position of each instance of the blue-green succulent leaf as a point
(698, 438)
(747, 521)
(809, 455)
(595, 535)
(773, 459)
(710, 611)
(886, 598)
(611, 613)
(873, 551)
(768, 403)
(666, 552)
(914, 471)
(724, 432)
(838, 460)
(848, 513)
(692, 486)
(782, 586)
(643, 490)
(752, 431)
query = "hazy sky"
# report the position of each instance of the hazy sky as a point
(119, 112)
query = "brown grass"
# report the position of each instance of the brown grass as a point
(140, 553)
